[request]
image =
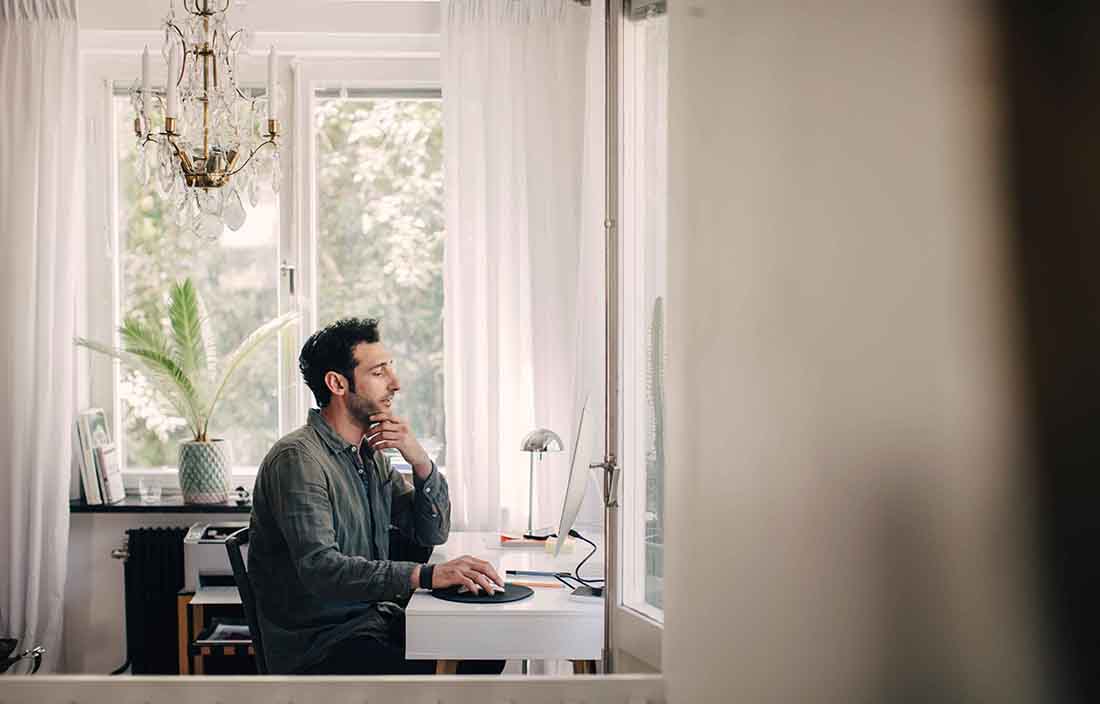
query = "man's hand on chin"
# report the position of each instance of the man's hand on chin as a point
(387, 430)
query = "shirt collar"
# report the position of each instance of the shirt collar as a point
(330, 437)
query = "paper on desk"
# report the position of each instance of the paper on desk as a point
(216, 595)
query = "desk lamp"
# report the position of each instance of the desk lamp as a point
(537, 442)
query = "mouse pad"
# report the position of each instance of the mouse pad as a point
(512, 592)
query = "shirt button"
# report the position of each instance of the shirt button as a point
(428, 490)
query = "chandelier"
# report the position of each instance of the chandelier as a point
(201, 139)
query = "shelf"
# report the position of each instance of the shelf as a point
(167, 504)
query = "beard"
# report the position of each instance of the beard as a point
(361, 409)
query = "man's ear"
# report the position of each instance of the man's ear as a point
(336, 383)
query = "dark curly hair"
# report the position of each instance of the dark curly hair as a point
(330, 350)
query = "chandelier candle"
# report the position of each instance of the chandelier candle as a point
(173, 108)
(208, 156)
(272, 87)
(146, 89)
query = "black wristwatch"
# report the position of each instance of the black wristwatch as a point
(426, 576)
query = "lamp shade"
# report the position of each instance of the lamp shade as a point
(541, 440)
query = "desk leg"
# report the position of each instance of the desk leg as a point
(181, 632)
(197, 621)
(446, 667)
(584, 667)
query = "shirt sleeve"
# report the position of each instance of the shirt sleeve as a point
(422, 512)
(300, 498)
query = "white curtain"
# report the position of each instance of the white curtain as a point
(523, 314)
(39, 147)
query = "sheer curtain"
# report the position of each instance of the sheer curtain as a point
(39, 145)
(523, 313)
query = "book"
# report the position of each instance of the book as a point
(110, 473)
(92, 430)
(225, 632)
(89, 482)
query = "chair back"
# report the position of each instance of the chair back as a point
(244, 585)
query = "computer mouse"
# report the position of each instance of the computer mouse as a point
(493, 589)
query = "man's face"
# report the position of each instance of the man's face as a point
(375, 382)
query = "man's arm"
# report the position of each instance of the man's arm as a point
(301, 506)
(422, 512)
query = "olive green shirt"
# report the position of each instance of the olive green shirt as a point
(319, 543)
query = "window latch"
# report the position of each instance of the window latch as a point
(287, 270)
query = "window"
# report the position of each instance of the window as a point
(237, 277)
(356, 228)
(380, 227)
(645, 243)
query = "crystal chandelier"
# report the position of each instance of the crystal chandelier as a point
(207, 155)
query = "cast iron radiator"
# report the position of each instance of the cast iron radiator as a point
(154, 576)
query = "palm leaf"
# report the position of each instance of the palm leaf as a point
(234, 360)
(138, 336)
(163, 371)
(210, 349)
(149, 342)
(187, 338)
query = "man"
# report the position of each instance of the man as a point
(329, 598)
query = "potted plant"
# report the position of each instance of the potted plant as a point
(182, 364)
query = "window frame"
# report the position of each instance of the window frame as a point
(637, 625)
(310, 61)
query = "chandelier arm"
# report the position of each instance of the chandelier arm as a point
(183, 46)
(236, 84)
(261, 145)
(224, 8)
(185, 160)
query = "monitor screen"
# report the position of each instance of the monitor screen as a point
(578, 481)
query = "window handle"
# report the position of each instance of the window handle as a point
(288, 271)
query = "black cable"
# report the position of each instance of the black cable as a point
(577, 571)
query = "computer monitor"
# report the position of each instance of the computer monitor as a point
(574, 488)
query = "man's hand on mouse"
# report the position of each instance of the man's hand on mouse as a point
(466, 571)
(388, 430)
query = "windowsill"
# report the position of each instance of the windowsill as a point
(167, 504)
(243, 475)
(168, 479)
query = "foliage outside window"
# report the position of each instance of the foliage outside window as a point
(380, 229)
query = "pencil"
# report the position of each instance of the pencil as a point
(533, 585)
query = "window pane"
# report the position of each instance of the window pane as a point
(237, 278)
(380, 230)
(654, 181)
(645, 247)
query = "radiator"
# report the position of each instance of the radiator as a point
(154, 576)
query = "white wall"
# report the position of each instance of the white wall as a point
(845, 522)
(95, 625)
(374, 17)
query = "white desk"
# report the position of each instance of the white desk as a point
(546, 626)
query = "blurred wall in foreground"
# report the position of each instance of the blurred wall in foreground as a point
(850, 494)
(1051, 64)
